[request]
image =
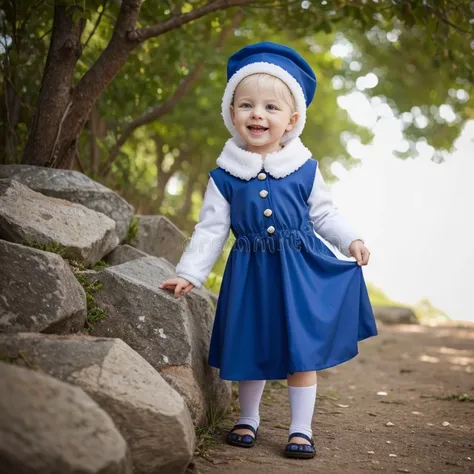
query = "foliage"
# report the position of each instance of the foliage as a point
(94, 312)
(458, 397)
(132, 231)
(420, 53)
(53, 247)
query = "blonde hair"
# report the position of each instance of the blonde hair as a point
(285, 95)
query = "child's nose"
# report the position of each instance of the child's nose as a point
(257, 112)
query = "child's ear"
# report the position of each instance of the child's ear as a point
(292, 122)
(232, 114)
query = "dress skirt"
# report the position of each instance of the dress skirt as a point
(287, 303)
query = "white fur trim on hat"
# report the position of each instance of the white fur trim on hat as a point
(280, 73)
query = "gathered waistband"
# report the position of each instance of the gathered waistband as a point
(291, 239)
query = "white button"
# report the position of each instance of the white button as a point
(270, 229)
(261, 176)
(263, 193)
(268, 212)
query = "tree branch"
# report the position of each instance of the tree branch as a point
(162, 109)
(97, 23)
(440, 14)
(153, 114)
(177, 21)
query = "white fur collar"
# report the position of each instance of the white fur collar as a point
(246, 165)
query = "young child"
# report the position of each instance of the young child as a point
(288, 306)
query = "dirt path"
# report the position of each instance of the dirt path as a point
(424, 372)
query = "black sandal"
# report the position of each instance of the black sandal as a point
(242, 441)
(301, 451)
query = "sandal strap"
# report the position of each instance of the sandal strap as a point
(244, 426)
(301, 435)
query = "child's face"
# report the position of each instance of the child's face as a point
(262, 112)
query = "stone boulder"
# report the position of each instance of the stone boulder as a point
(50, 427)
(159, 237)
(395, 315)
(172, 334)
(74, 187)
(152, 417)
(123, 254)
(27, 216)
(39, 292)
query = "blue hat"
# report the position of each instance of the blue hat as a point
(277, 60)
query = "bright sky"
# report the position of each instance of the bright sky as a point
(416, 216)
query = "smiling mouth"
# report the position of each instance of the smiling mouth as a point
(257, 128)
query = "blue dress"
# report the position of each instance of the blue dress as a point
(287, 303)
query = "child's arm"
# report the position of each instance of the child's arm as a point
(208, 239)
(327, 220)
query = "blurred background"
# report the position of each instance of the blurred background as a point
(392, 122)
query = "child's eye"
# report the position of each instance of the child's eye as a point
(272, 107)
(245, 105)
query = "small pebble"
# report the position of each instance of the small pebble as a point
(416, 413)
(389, 423)
(430, 424)
(403, 470)
(382, 394)
(446, 423)
(370, 452)
(389, 442)
(393, 455)
(469, 459)
(342, 406)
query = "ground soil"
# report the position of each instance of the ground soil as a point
(427, 374)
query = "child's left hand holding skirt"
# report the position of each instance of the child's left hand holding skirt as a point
(360, 252)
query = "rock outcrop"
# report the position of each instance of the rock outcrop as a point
(159, 237)
(152, 417)
(50, 427)
(74, 187)
(395, 315)
(172, 334)
(38, 292)
(28, 217)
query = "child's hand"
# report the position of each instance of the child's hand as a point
(180, 286)
(360, 252)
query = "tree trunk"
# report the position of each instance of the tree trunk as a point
(10, 104)
(188, 201)
(55, 98)
(61, 111)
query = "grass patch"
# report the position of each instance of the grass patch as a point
(132, 231)
(278, 384)
(94, 312)
(53, 247)
(458, 397)
(208, 435)
(7, 359)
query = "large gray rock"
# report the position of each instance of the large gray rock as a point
(50, 427)
(38, 292)
(75, 187)
(152, 417)
(395, 315)
(27, 216)
(123, 254)
(171, 334)
(159, 237)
